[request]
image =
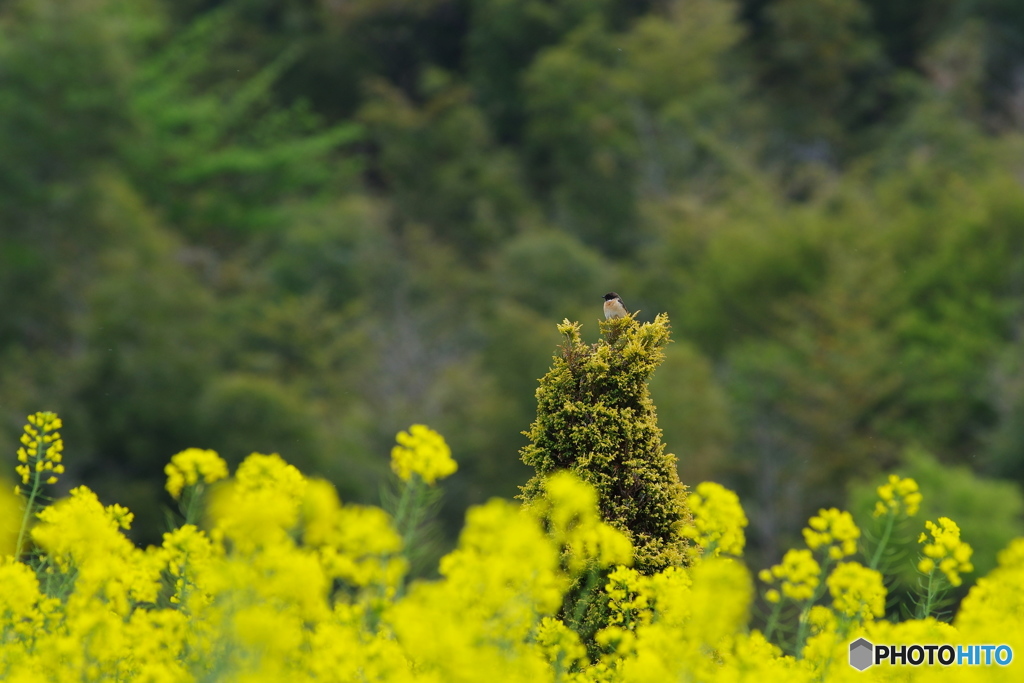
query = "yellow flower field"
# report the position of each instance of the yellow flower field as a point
(273, 578)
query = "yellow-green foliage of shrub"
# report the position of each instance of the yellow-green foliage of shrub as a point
(596, 419)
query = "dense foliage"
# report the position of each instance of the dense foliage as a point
(595, 418)
(300, 226)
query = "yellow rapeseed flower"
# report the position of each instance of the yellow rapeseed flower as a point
(630, 595)
(41, 451)
(833, 528)
(261, 506)
(357, 544)
(496, 547)
(560, 644)
(10, 511)
(857, 591)
(993, 611)
(250, 519)
(19, 600)
(422, 451)
(188, 554)
(944, 548)
(289, 584)
(190, 467)
(78, 533)
(718, 520)
(495, 587)
(821, 619)
(363, 548)
(687, 627)
(799, 575)
(570, 512)
(898, 496)
(718, 602)
(260, 472)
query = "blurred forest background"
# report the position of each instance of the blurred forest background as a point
(302, 225)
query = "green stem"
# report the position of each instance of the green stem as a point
(194, 493)
(25, 518)
(876, 558)
(409, 509)
(585, 597)
(801, 633)
(36, 484)
(773, 619)
(929, 596)
(408, 516)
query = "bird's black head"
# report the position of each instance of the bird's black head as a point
(610, 295)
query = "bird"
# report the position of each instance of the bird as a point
(613, 306)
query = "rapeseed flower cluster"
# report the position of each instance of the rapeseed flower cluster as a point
(899, 499)
(685, 624)
(10, 512)
(40, 459)
(992, 611)
(832, 529)
(192, 466)
(41, 451)
(561, 645)
(944, 548)
(570, 514)
(718, 521)
(281, 580)
(857, 592)
(423, 452)
(798, 575)
(898, 496)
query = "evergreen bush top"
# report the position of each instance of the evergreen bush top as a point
(596, 419)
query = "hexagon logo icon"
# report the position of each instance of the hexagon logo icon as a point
(861, 654)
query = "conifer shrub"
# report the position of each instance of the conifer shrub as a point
(595, 418)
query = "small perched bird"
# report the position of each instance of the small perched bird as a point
(613, 307)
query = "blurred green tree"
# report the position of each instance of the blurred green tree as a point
(825, 62)
(217, 154)
(612, 118)
(816, 406)
(580, 140)
(65, 69)
(503, 39)
(693, 412)
(441, 166)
